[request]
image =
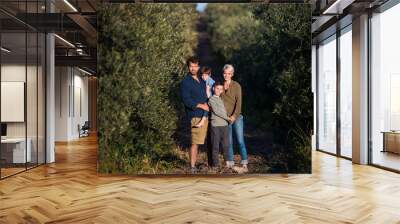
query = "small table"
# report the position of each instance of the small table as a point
(391, 141)
(13, 150)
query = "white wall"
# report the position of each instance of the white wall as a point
(9, 73)
(80, 109)
(71, 94)
(33, 126)
(62, 81)
(17, 73)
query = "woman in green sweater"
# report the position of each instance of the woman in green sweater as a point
(232, 98)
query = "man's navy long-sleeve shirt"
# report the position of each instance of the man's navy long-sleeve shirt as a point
(193, 93)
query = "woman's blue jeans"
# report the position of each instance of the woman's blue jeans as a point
(237, 127)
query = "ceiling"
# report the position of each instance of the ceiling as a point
(74, 22)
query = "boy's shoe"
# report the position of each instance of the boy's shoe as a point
(226, 170)
(214, 169)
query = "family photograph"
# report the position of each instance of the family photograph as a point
(187, 90)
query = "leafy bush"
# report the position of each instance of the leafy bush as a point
(141, 53)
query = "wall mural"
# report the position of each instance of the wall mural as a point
(223, 89)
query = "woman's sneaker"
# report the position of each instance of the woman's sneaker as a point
(230, 164)
(241, 169)
(245, 169)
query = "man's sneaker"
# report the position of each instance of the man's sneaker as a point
(193, 170)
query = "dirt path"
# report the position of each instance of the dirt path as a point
(204, 50)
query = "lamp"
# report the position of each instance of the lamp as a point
(5, 50)
(337, 7)
(84, 71)
(70, 5)
(64, 40)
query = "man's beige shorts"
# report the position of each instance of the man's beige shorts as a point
(198, 134)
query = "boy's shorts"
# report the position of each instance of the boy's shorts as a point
(198, 135)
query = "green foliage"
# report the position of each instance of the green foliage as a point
(231, 27)
(141, 54)
(270, 47)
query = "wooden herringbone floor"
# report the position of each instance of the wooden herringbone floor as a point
(70, 191)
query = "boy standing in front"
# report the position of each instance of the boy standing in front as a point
(219, 125)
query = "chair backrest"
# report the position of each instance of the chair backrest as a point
(86, 125)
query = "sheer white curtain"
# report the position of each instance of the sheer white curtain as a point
(346, 92)
(327, 95)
